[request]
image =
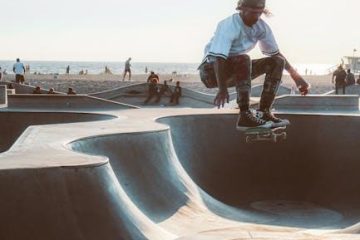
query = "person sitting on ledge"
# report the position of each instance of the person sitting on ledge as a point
(153, 76)
(51, 91)
(164, 89)
(71, 91)
(176, 94)
(37, 90)
(10, 86)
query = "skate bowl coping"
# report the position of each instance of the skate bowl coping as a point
(317, 102)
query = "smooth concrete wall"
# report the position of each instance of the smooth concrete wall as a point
(72, 203)
(318, 163)
(14, 123)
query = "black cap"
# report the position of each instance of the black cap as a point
(251, 4)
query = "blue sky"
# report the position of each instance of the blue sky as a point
(308, 31)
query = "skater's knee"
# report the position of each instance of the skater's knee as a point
(278, 61)
(243, 59)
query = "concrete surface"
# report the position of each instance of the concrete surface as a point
(187, 176)
(3, 97)
(63, 102)
(137, 93)
(317, 103)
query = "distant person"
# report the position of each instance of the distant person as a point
(146, 70)
(37, 90)
(358, 79)
(127, 69)
(19, 70)
(339, 77)
(71, 91)
(10, 86)
(176, 94)
(107, 70)
(164, 89)
(350, 78)
(1, 74)
(81, 72)
(153, 91)
(153, 76)
(68, 69)
(51, 91)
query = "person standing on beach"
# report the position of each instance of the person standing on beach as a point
(127, 69)
(350, 78)
(227, 64)
(68, 69)
(339, 77)
(19, 70)
(1, 74)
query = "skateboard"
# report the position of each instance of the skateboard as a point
(265, 134)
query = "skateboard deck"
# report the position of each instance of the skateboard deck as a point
(265, 134)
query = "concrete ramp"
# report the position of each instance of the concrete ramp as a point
(257, 90)
(317, 103)
(136, 95)
(185, 177)
(63, 102)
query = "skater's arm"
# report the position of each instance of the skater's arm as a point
(222, 96)
(300, 82)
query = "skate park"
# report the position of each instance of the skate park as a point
(101, 167)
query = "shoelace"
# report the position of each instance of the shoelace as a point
(253, 118)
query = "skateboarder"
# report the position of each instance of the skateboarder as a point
(226, 64)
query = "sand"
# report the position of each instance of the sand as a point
(92, 83)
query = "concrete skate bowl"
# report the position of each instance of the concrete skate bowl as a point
(14, 123)
(201, 168)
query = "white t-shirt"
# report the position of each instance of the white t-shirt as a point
(232, 37)
(19, 68)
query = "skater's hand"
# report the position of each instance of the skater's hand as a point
(221, 98)
(302, 85)
(304, 90)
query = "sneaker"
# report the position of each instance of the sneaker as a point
(247, 120)
(268, 116)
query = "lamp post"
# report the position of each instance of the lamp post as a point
(354, 61)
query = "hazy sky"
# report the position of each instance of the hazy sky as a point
(307, 31)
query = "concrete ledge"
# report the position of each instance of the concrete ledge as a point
(67, 102)
(3, 97)
(10, 91)
(318, 102)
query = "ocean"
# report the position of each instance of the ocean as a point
(59, 67)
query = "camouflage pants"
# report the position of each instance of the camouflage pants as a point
(241, 70)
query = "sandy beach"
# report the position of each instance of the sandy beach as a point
(92, 83)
